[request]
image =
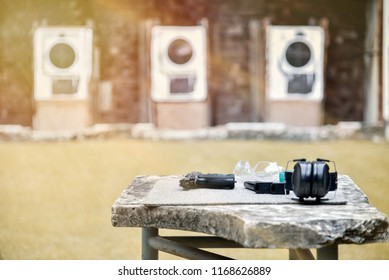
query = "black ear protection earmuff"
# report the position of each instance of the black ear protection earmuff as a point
(311, 179)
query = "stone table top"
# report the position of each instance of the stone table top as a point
(290, 226)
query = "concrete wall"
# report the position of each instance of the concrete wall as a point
(71, 115)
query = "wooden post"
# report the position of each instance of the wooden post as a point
(257, 66)
(385, 78)
(254, 27)
(324, 23)
(145, 112)
(372, 65)
(205, 22)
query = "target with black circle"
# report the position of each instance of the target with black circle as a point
(298, 54)
(178, 63)
(295, 62)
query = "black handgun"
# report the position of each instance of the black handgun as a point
(210, 181)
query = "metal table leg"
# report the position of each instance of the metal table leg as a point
(148, 252)
(300, 254)
(293, 255)
(177, 248)
(328, 253)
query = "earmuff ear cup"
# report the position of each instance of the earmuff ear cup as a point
(301, 179)
(320, 179)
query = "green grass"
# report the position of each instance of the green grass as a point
(55, 198)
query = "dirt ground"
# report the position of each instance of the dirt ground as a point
(56, 197)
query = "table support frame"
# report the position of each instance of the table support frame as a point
(188, 247)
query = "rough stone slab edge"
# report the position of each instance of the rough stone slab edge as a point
(258, 131)
(357, 230)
